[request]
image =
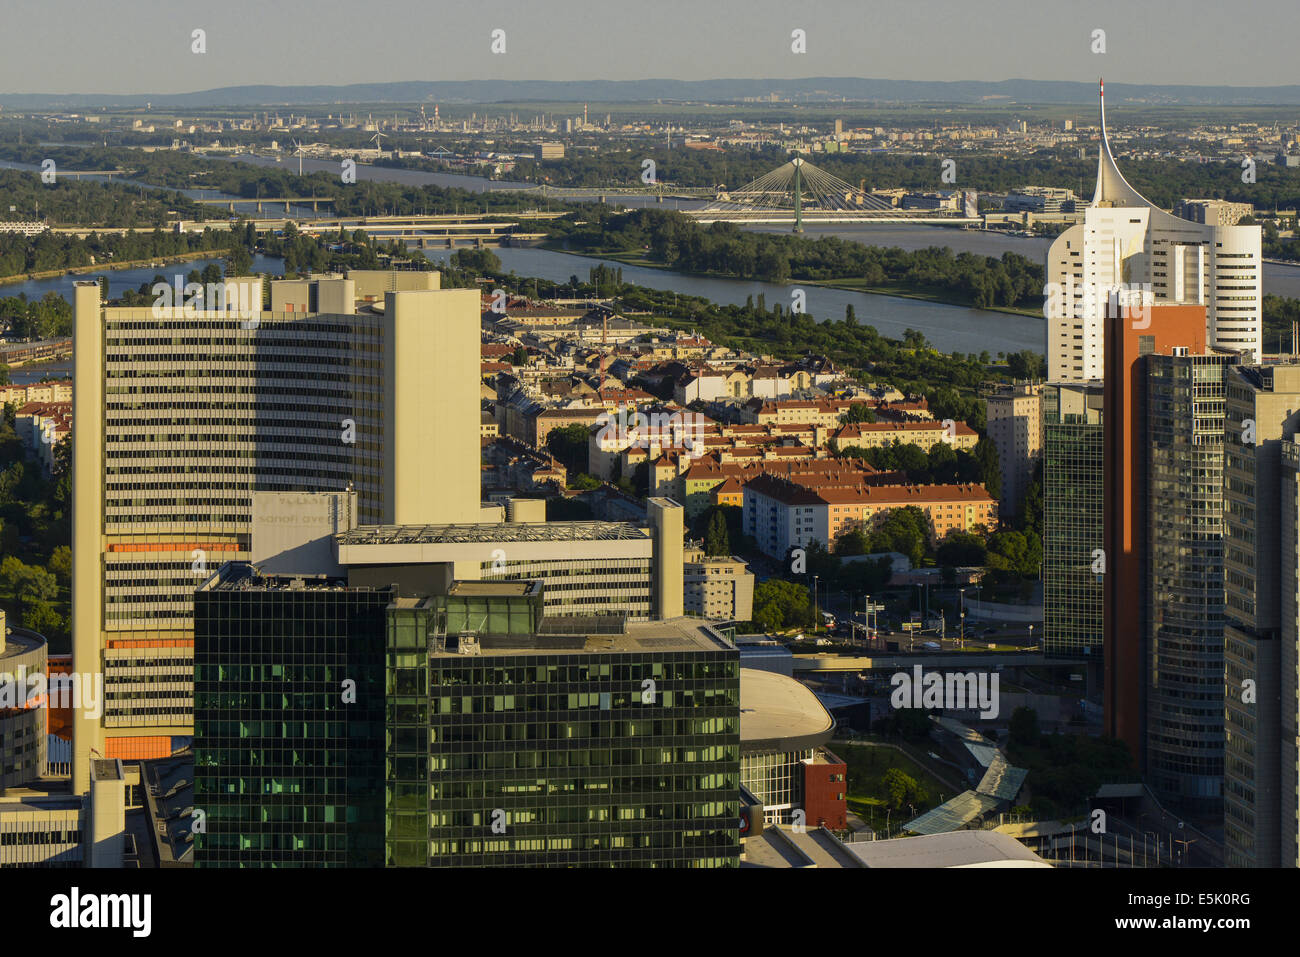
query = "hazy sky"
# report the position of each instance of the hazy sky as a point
(144, 46)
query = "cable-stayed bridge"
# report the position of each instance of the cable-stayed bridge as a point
(799, 193)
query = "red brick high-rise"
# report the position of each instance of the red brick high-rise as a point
(1132, 332)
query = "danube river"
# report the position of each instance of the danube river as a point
(950, 328)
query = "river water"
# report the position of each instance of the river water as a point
(950, 328)
(120, 280)
(241, 205)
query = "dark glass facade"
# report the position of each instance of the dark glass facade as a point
(288, 752)
(1185, 663)
(1073, 505)
(531, 755)
(496, 738)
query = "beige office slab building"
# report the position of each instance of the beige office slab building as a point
(182, 414)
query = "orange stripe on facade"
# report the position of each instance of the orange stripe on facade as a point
(175, 547)
(150, 643)
(135, 749)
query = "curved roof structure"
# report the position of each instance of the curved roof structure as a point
(778, 714)
(1112, 188)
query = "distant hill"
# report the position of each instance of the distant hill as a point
(811, 89)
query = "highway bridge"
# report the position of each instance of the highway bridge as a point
(288, 201)
(777, 218)
(462, 226)
(451, 235)
(660, 191)
(109, 173)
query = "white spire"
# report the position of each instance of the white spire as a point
(1112, 188)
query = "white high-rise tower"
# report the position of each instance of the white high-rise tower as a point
(1126, 241)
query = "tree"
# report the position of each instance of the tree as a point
(478, 261)
(22, 582)
(40, 616)
(717, 540)
(1029, 517)
(769, 618)
(905, 530)
(986, 456)
(783, 602)
(859, 412)
(61, 564)
(961, 548)
(853, 541)
(942, 462)
(569, 444)
(911, 458)
(519, 357)
(10, 479)
(240, 262)
(1015, 553)
(1027, 364)
(1023, 727)
(61, 492)
(915, 339)
(641, 479)
(900, 789)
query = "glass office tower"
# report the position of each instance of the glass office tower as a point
(1184, 729)
(289, 721)
(561, 742)
(1073, 503)
(481, 733)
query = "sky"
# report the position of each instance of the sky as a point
(145, 46)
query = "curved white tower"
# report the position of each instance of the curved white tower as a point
(1127, 241)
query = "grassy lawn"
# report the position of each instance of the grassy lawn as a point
(866, 770)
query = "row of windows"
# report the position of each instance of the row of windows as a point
(29, 838)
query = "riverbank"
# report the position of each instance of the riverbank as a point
(106, 267)
(847, 285)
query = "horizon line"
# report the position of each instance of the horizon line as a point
(646, 79)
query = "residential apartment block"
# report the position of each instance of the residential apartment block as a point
(782, 514)
(1015, 417)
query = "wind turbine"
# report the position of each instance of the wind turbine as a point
(297, 148)
(379, 147)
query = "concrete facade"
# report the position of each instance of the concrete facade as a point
(1015, 418)
(1126, 240)
(1262, 417)
(199, 410)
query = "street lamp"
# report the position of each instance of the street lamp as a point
(817, 618)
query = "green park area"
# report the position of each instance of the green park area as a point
(883, 781)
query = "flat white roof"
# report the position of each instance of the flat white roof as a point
(951, 849)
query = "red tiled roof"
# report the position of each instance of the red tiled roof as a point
(855, 429)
